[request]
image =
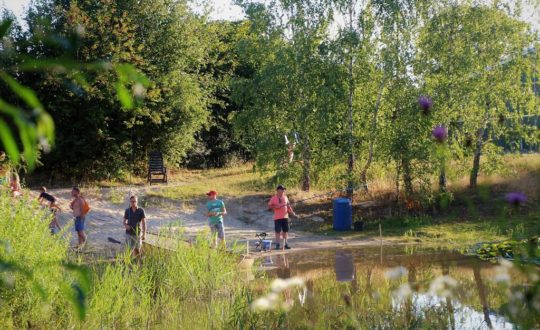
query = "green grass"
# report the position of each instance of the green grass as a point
(232, 182)
(448, 231)
(116, 196)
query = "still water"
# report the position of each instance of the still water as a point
(398, 287)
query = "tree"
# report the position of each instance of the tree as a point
(296, 88)
(474, 63)
(216, 144)
(20, 108)
(97, 136)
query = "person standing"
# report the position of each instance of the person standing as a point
(216, 210)
(279, 203)
(135, 225)
(15, 185)
(77, 205)
(54, 225)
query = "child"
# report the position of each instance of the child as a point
(45, 196)
(54, 226)
(15, 185)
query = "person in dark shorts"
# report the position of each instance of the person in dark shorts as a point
(45, 196)
(77, 205)
(216, 210)
(279, 203)
(135, 225)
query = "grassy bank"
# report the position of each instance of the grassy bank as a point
(512, 171)
(447, 231)
(44, 286)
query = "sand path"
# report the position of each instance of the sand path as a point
(246, 217)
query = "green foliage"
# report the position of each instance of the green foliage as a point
(297, 85)
(35, 126)
(216, 144)
(67, 45)
(479, 64)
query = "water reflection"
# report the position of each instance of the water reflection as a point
(344, 266)
(434, 289)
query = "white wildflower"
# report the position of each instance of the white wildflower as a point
(396, 273)
(296, 282)
(442, 285)
(261, 304)
(272, 300)
(272, 297)
(403, 291)
(279, 284)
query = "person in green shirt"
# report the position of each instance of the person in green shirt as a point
(216, 211)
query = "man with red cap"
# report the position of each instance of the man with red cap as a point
(216, 211)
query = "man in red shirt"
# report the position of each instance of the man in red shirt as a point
(279, 203)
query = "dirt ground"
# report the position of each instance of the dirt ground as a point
(245, 217)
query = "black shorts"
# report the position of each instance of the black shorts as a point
(281, 225)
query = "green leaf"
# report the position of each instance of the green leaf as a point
(4, 26)
(124, 96)
(25, 93)
(78, 292)
(9, 142)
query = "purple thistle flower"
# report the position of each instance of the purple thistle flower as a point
(440, 133)
(425, 103)
(516, 198)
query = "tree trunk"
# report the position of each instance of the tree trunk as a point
(398, 176)
(482, 294)
(350, 188)
(363, 174)
(442, 179)
(473, 182)
(409, 306)
(449, 306)
(306, 154)
(407, 178)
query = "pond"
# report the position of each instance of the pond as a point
(399, 287)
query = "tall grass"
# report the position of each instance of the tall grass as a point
(34, 279)
(183, 288)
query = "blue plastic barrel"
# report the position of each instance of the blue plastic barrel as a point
(342, 214)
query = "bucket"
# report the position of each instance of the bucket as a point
(266, 244)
